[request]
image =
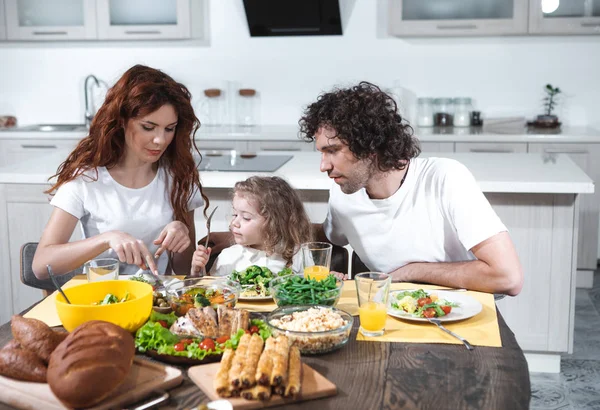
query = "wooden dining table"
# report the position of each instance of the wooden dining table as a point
(381, 375)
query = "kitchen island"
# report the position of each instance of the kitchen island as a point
(535, 195)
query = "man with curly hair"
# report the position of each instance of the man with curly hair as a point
(420, 219)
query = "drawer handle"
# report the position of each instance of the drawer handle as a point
(491, 150)
(36, 146)
(456, 26)
(565, 151)
(280, 149)
(142, 32)
(594, 25)
(50, 33)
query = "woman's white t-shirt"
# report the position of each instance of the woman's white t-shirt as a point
(239, 257)
(437, 215)
(104, 205)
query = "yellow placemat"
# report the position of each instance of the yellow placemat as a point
(46, 309)
(481, 330)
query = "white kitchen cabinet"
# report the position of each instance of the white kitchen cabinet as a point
(490, 147)
(457, 17)
(42, 20)
(586, 157)
(143, 19)
(26, 210)
(2, 21)
(291, 145)
(436, 147)
(569, 17)
(13, 151)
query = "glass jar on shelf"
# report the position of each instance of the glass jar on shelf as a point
(462, 112)
(212, 107)
(444, 112)
(247, 107)
(425, 112)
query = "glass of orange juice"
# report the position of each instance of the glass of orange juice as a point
(372, 290)
(316, 259)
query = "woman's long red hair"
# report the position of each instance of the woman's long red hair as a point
(141, 91)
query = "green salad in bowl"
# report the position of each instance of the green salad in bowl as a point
(254, 280)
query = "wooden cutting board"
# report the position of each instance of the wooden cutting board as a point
(314, 386)
(143, 378)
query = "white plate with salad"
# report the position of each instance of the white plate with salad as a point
(254, 281)
(418, 304)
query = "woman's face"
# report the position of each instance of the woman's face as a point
(246, 223)
(147, 137)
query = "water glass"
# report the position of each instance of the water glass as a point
(316, 259)
(372, 290)
(101, 269)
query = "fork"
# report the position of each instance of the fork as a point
(208, 226)
(438, 323)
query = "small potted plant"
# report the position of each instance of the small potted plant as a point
(549, 120)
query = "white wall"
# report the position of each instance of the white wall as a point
(505, 75)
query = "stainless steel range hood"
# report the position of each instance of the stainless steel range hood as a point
(297, 17)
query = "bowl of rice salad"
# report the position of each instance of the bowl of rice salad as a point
(315, 329)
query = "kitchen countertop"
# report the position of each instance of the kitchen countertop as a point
(290, 133)
(507, 173)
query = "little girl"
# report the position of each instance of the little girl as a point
(268, 225)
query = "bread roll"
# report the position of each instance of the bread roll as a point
(90, 363)
(35, 335)
(22, 364)
(13, 344)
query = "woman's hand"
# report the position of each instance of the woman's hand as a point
(175, 237)
(131, 250)
(200, 259)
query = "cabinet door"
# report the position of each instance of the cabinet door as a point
(457, 17)
(14, 151)
(427, 147)
(564, 17)
(2, 21)
(27, 211)
(50, 20)
(490, 147)
(586, 157)
(143, 19)
(292, 145)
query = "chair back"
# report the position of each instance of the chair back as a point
(26, 271)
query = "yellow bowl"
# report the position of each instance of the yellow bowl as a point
(130, 315)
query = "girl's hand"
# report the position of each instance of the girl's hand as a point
(131, 250)
(200, 259)
(339, 275)
(175, 237)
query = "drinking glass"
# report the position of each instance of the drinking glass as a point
(316, 259)
(101, 269)
(372, 290)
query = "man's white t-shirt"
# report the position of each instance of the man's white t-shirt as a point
(239, 257)
(438, 214)
(105, 205)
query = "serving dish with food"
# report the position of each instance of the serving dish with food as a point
(254, 281)
(314, 329)
(198, 337)
(191, 293)
(298, 290)
(418, 305)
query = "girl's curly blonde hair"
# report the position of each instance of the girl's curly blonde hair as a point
(286, 223)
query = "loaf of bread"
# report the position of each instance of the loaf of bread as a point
(35, 335)
(90, 363)
(22, 364)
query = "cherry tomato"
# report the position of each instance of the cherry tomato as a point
(247, 331)
(222, 339)
(253, 329)
(423, 301)
(187, 341)
(179, 347)
(446, 309)
(429, 312)
(163, 323)
(207, 344)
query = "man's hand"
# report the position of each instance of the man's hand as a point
(339, 275)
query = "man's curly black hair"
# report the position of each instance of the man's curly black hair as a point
(367, 120)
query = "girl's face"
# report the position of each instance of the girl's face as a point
(246, 223)
(148, 137)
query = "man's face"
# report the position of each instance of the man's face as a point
(349, 172)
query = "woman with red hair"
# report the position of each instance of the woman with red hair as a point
(132, 182)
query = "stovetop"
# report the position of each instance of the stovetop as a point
(258, 163)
